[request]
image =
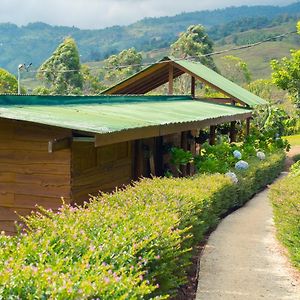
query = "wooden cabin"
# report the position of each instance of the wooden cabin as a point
(70, 147)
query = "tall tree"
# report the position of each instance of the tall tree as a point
(120, 66)
(286, 73)
(91, 84)
(195, 43)
(61, 72)
(235, 69)
(8, 83)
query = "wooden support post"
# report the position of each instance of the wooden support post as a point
(248, 126)
(192, 147)
(193, 86)
(212, 135)
(171, 75)
(232, 135)
(184, 146)
(152, 165)
(159, 156)
(138, 160)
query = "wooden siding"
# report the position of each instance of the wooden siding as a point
(29, 175)
(99, 169)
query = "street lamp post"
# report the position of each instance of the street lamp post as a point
(21, 67)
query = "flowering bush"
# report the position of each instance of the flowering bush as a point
(260, 155)
(237, 154)
(232, 176)
(222, 158)
(241, 165)
(133, 244)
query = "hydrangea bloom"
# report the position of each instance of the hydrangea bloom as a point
(237, 154)
(232, 176)
(260, 155)
(241, 165)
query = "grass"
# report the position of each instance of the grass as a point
(296, 157)
(285, 195)
(294, 140)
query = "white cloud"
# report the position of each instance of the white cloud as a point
(102, 13)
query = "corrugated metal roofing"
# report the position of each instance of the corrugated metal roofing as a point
(222, 83)
(158, 74)
(107, 114)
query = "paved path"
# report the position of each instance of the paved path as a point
(242, 259)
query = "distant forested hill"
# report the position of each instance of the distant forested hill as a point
(36, 41)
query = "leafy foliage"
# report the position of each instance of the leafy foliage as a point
(129, 60)
(266, 89)
(179, 157)
(235, 69)
(223, 157)
(286, 74)
(271, 120)
(91, 84)
(133, 244)
(285, 195)
(8, 83)
(62, 70)
(195, 43)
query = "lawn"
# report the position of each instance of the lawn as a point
(294, 140)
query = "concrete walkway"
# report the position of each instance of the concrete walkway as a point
(243, 260)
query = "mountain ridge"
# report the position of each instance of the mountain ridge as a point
(36, 41)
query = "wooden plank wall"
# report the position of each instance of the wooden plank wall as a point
(29, 175)
(100, 169)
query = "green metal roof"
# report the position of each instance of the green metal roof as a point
(158, 74)
(222, 83)
(107, 114)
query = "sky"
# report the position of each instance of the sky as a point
(96, 14)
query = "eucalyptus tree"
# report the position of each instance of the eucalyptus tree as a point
(61, 71)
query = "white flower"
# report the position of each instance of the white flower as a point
(232, 176)
(260, 155)
(241, 165)
(237, 154)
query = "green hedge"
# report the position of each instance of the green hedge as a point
(285, 197)
(259, 175)
(133, 244)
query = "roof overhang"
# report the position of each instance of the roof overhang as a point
(161, 130)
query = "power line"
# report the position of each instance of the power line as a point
(192, 58)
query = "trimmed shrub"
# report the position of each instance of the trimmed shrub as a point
(259, 174)
(133, 244)
(285, 196)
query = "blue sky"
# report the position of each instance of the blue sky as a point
(103, 13)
